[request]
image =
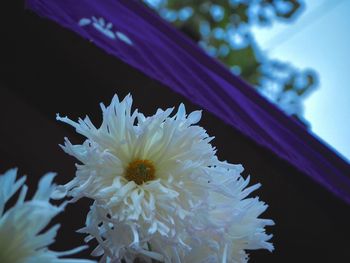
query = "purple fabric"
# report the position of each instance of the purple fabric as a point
(151, 45)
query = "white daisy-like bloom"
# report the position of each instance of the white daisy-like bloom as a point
(234, 226)
(23, 234)
(159, 190)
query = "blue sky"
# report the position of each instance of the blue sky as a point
(319, 39)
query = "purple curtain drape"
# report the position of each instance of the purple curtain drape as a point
(129, 31)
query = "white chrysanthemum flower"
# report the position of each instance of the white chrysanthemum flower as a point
(232, 226)
(22, 239)
(159, 188)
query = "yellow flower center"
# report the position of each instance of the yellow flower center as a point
(140, 171)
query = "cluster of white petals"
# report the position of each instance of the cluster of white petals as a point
(23, 234)
(159, 190)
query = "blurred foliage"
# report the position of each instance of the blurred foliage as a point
(223, 29)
